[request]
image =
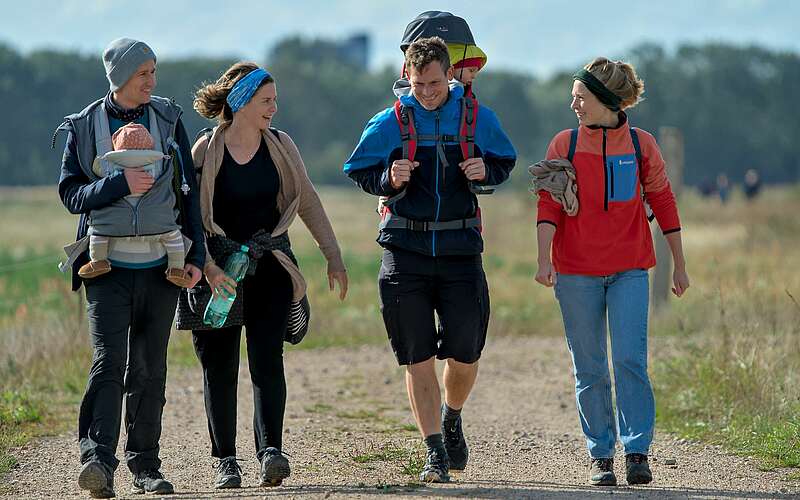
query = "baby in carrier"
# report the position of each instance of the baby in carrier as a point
(133, 148)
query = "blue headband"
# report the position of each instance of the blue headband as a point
(244, 88)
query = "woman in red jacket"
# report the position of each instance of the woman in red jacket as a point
(600, 257)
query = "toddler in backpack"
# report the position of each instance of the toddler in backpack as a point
(467, 61)
(133, 148)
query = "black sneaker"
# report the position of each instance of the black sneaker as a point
(637, 470)
(274, 467)
(601, 472)
(436, 468)
(98, 478)
(229, 474)
(454, 442)
(151, 481)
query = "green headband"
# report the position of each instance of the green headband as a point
(596, 87)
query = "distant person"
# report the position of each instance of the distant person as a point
(708, 187)
(431, 236)
(132, 305)
(253, 184)
(600, 257)
(723, 188)
(752, 184)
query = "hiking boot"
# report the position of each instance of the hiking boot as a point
(274, 467)
(229, 474)
(637, 470)
(601, 472)
(151, 481)
(93, 269)
(98, 478)
(454, 443)
(436, 467)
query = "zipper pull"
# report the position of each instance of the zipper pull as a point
(185, 189)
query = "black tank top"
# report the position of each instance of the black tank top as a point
(246, 196)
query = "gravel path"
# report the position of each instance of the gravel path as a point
(350, 434)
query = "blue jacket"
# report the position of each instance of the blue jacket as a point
(436, 192)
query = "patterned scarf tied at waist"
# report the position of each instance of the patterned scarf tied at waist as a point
(221, 247)
(557, 177)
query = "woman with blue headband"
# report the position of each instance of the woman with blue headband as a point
(595, 247)
(252, 185)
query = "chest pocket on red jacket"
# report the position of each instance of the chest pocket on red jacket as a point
(621, 176)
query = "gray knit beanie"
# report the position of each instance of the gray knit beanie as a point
(122, 57)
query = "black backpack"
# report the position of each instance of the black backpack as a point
(448, 27)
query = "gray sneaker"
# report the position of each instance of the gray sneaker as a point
(229, 474)
(274, 467)
(437, 467)
(98, 478)
(637, 470)
(151, 481)
(601, 472)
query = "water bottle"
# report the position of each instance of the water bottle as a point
(219, 305)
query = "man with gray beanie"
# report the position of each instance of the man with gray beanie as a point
(131, 307)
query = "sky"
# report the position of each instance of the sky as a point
(534, 36)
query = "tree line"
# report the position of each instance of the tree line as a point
(732, 103)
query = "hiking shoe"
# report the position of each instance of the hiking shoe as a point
(274, 467)
(436, 467)
(637, 470)
(98, 478)
(601, 472)
(229, 474)
(151, 481)
(454, 443)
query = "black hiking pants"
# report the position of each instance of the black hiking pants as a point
(267, 298)
(130, 313)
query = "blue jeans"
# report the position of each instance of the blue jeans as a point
(585, 302)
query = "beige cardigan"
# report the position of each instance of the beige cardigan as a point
(297, 196)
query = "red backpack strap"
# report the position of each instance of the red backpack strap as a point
(408, 135)
(469, 119)
(408, 131)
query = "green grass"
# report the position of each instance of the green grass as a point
(733, 373)
(361, 414)
(17, 412)
(318, 408)
(24, 276)
(727, 393)
(408, 457)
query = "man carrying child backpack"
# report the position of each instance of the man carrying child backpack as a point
(428, 155)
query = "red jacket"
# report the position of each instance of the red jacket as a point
(610, 232)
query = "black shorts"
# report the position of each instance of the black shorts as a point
(414, 286)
